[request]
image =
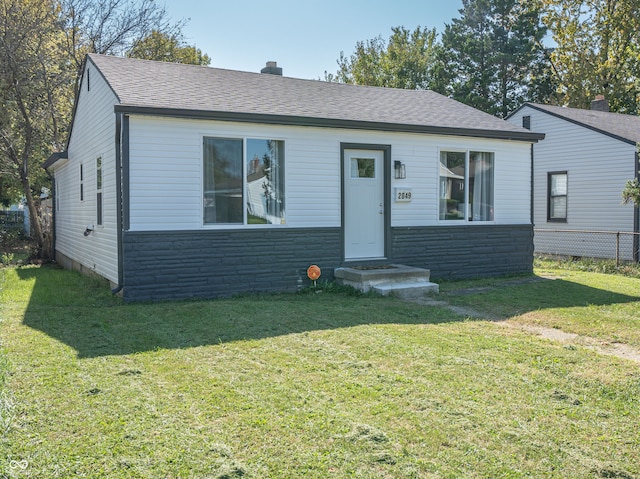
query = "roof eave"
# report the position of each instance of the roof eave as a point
(577, 122)
(54, 158)
(326, 123)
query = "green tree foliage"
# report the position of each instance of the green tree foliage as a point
(167, 47)
(597, 52)
(34, 97)
(110, 27)
(631, 192)
(43, 44)
(405, 61)
(492, 57)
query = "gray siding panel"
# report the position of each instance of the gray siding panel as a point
(186, 264)
(209, 264)
(466, 251)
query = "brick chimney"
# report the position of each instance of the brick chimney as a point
(272, 68)
(600, 104)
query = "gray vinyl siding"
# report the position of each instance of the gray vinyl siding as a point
(597, 167)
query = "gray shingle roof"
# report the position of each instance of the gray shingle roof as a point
(172, 88)
(624, 127)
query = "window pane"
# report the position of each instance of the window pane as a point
(452, 172)
(481, 186)
(99, 208)
(558, 196)
(559, 207)
(222, 181)
(363, 168)
(265, 181)
(99, 173)
(558, 184)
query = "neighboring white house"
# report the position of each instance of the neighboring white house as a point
(183, 181)
(580, 170)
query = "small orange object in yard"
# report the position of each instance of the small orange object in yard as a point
(313, 272)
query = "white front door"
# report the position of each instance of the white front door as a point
(363, 204)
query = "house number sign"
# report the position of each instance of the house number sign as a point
(402, 195)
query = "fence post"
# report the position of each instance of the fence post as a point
(618, 248)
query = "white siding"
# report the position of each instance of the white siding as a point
(166, 172)
(93, 136)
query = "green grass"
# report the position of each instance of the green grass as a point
(603, 306)
(314, 385)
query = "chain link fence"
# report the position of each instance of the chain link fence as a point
(615, 245)
(10, 218)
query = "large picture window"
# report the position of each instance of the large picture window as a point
(243, 181)
(466, 186)
(557, 196)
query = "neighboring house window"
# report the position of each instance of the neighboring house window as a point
(99, 190)
(526, 122)
(466, 186)
(243, 181)
(557, 196)
(81, 183)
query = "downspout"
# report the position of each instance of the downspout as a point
(532, 185)
(636, 213)
(119, 205)
(54, 202)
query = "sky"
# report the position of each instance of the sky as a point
(304, 37)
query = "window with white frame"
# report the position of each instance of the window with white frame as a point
(243, 181)
(557, 192)
(466, 186)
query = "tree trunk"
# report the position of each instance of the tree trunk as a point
(34, 218)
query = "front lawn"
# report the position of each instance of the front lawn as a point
(315, 385)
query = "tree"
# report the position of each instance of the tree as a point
(404, 61)
(597, 52)
(32, 96)
(167, 47)
(631, 192)
(492, 57)
(110, 27)
(43, 44)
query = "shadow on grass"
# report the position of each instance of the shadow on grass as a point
(81, 313)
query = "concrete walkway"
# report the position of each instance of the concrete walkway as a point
(619, 350)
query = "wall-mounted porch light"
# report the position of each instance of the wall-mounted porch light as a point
(399, 170)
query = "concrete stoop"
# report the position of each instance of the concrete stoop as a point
(393, 279)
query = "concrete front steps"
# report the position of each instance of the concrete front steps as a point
(393, 279)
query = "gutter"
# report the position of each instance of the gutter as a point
(244, 117)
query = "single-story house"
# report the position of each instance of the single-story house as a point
(580, 170)
(187, 181)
